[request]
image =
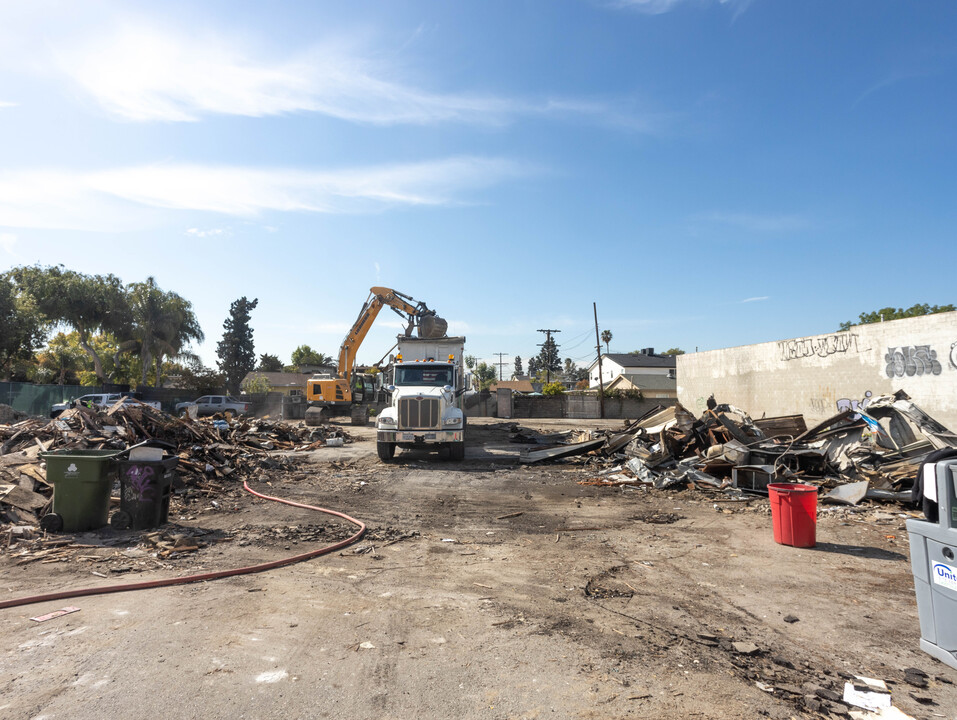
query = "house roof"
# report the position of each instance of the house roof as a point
(632, 360)
(281, 379)
(644, 382)
(522, 386)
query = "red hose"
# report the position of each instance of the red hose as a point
(186, 579)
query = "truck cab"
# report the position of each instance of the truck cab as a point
(426, 409)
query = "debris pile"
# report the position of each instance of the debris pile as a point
(873, 453)
(208, 449)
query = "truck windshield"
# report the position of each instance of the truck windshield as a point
(430, 375)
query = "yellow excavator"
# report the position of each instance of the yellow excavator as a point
(347, 392)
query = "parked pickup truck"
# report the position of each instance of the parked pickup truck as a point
(212, 404)
(100, 401)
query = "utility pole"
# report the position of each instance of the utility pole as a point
(601, 382)
(548, 354)
(500, 364)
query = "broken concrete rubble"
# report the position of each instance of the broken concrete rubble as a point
(855, 456)
(210, 450)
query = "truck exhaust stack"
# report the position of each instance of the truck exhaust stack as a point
(432, 327)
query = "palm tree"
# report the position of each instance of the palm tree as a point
(606, 338)
(163, 325)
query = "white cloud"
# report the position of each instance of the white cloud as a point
(127, 198)
(212, 232)
(6, 104)
(755, 299)
(144, 72)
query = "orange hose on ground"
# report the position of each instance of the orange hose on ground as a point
(186, 579)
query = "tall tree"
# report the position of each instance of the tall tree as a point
(606, 338)
(61, 360)
(674, 351)
(269, 363)
(890, 313)
(305, 355)
(21, 328)
(518, 365)
(483, 376)
(163, 325)
(236, 351)
(86, 303)
(548, 357)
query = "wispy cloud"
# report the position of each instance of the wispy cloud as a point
(126, 198)
(759, 223)
(754, 299)
(211, 232)
(7, 104)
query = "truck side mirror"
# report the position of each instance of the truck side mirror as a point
(447, 388)
(390, 388)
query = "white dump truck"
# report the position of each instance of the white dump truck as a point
(428, 385)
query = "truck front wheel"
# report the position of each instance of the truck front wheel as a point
(457, 451)
(385, 450)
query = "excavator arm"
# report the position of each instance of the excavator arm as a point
(338, 391)
(406, 307)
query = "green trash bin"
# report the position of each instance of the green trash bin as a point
(82, 481)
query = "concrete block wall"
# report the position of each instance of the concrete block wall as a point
(823, 374)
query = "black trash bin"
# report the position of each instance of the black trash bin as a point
(145, 488)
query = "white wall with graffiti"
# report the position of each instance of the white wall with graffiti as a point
(823, 374)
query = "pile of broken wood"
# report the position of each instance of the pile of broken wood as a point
(208, 449)
(873, 452)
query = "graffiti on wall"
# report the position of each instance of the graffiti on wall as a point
(911, 360)
(819, 346)
(953, 355)
(855, 405)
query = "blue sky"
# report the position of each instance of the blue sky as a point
(711, 173)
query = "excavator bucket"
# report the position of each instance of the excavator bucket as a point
(432, 327)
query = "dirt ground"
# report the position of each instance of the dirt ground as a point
(484, 589)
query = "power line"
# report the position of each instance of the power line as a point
(500, 364)
(548, 354)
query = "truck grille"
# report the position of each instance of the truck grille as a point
(418, 413)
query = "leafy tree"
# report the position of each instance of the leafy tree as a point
(86, 303)
(236, 351)
(163, 324)
(60, 361)
(470, 362)
(606, 338)
(21, 327)
(518, 365)
(674, 351)
(305, 355)
(890, 313)
(193, 375)
(256, 384)
(483, 376)
(534, 366)
(269, 363)
(553, 388)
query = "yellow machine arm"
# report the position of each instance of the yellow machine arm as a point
(406, 307)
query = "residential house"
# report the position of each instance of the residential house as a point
(516, 386)
(640, 368)
(652, 387)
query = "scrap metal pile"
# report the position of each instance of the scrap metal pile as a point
(873, 452)
(209, 450)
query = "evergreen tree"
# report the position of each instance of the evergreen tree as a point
(548, 358)
(518, 365)
(236, 351)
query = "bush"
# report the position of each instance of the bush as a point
(552, 389)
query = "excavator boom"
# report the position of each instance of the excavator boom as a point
(337, 391)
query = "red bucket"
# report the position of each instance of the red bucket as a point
(793, 513)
